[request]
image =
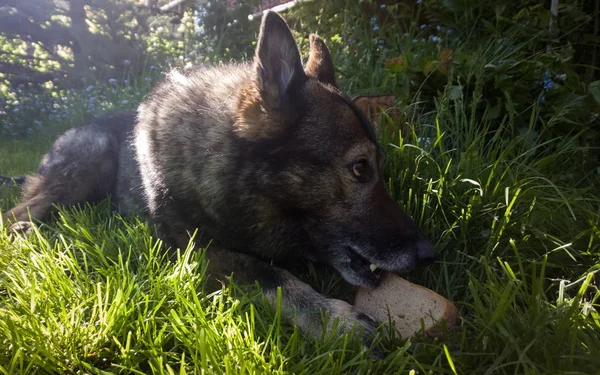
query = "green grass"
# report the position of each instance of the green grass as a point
(516, 221)
(91, 293)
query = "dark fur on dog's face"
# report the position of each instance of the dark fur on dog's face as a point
(318, 142)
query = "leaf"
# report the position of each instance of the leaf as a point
(455, 93)
(374, 105)
(494, 112)
(500, 10)
(396, 64)
(445, 58)
(445, 54)
(449, 358)
(595, 90)
(489, 26)
(429, 67)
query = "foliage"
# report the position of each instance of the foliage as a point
(503, 45)
(44, 39)
(227, 34)
(39, 113)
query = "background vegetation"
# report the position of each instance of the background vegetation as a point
(502, 170)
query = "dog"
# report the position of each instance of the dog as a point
(267, 159)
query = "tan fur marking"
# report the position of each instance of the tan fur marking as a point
(252, 121)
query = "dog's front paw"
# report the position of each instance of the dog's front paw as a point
(22, 228)
(350, 318)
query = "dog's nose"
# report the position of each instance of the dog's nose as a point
(425, 253)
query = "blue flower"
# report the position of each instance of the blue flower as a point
(373, 20)
(438, 28)
(433, 38)
(543, 98)
(380, 46)
(382, 6)
(375, 28)
(423, 26)
(419, 2)
(112, 81)
(547, 81)
(153, 67)
(126, 62)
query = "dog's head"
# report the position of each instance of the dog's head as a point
(321, 164)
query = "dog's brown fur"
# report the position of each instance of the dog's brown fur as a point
(268, 160)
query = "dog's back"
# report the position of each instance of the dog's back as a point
(268, 160)
(82, 166)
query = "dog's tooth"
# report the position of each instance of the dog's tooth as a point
(373, 267)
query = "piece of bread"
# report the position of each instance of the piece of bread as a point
(409, 306)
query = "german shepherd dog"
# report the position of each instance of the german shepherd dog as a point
(269, 160)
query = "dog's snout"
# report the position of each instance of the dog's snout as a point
(425, 253)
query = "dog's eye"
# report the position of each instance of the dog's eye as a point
(359, 169)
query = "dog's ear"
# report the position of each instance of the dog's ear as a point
(319, 64)
(277, 60)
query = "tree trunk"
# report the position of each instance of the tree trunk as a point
(83, 45)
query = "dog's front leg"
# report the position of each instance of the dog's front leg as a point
(300, 304)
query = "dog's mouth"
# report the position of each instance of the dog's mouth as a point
(362, 266)
(359, 270)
